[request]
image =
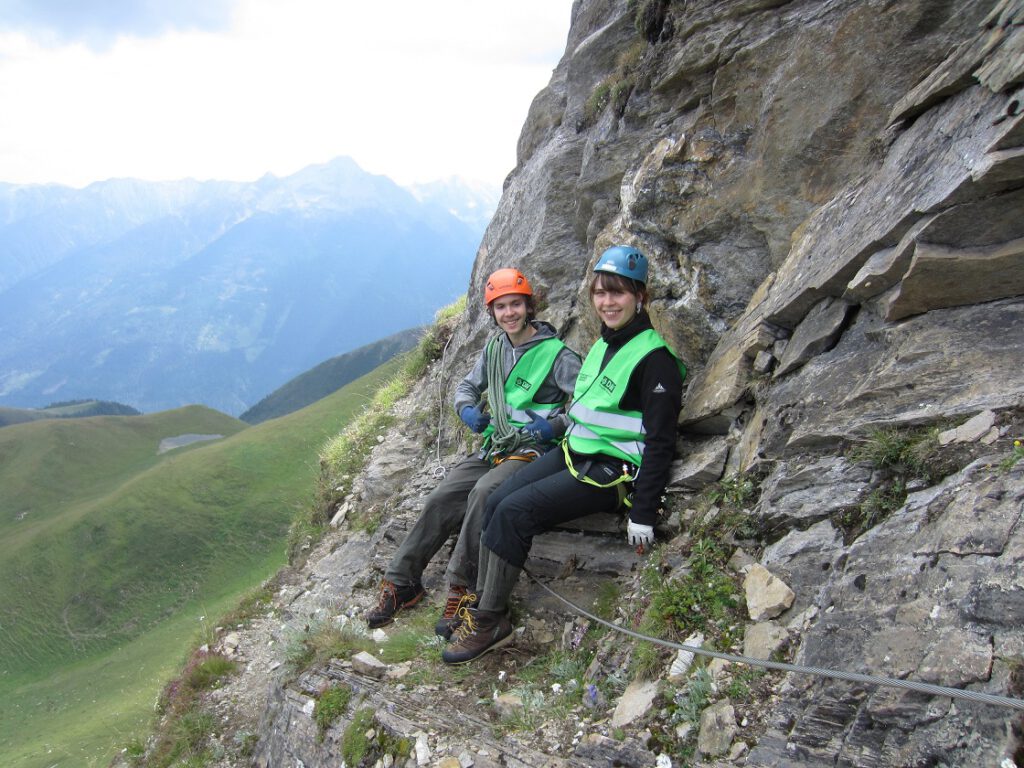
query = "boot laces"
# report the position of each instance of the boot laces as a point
(456, 602)
(467, 627)
(388, 596)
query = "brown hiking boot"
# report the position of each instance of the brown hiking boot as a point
(459, 597)
(393, 598)
(479, 632)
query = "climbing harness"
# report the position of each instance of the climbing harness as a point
(527, 455)
(911, 685)
(619, 483)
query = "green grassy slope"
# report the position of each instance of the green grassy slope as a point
(330, 376)
(120, 559)
(49, 468)
(73, 409)
(81, 714)
(19, 416)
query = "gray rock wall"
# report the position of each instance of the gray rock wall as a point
(836, 187)
(832, 196)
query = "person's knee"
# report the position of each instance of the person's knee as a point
(431, 504)
(489, 508)
(477, 496)
(507, 519)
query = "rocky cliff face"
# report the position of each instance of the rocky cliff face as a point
(832, 196)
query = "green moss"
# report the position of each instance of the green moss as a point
(354, 744)
(331, 705)
(743, 678)
(608, 598)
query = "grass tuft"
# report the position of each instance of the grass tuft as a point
(615, 89)
(355, 745)
(1016, 454)
(899, 456)
(325, 641)
(210, 671)
(331, 705)
(186, 732)
(702, 597)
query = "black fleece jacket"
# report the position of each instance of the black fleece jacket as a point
(656, 390)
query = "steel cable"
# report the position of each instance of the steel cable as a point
(929, 688)
(440, 470)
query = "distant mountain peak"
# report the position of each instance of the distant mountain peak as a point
(159, 294)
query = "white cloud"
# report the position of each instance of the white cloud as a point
(413, 90)
(98, 24)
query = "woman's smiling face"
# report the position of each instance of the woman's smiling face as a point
(615, 306)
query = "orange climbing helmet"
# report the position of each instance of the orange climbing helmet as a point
(506, 281)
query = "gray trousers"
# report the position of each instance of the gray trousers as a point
(456, 504)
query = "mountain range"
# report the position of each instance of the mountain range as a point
(162, 294)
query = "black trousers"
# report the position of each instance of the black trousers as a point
(540, 497)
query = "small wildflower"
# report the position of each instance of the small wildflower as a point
(577, 637)
(592, 696)
(1015, 455)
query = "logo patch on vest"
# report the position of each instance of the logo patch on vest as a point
(523, 383)
(607, 384)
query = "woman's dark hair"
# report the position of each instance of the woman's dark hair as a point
(609, 282)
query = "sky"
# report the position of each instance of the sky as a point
(234, 89)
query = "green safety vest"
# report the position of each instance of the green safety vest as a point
(597, 422)
(523, 382)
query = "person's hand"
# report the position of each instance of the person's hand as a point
(474, 419)
(539, 428)
(639, 536)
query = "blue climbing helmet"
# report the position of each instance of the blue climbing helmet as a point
(623, 260)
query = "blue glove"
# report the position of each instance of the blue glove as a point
(539, 428)
(474, 419)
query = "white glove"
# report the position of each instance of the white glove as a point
(639, 535)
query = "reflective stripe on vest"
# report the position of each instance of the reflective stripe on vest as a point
(525, 379)
(598, 423)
